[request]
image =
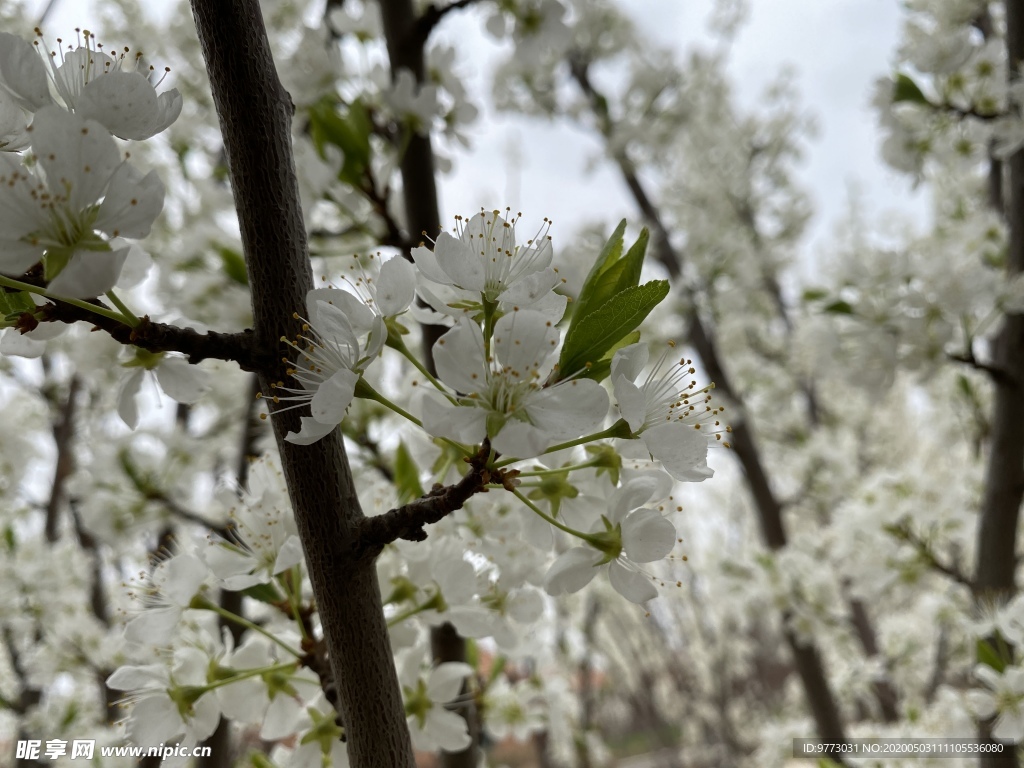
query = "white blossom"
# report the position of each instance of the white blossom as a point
(502, 396)
(484, 264)
(72, 212)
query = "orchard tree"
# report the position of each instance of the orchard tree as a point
(468, 416)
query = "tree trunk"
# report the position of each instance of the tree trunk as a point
(255, 117)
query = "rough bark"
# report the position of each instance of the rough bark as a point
(255, 116)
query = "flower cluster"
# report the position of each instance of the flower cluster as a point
(510, 382)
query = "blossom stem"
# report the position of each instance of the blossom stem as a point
(212, 606)
(365, 391)
(559, 470)
(618, 429)
(116, 301)
(399, 345)
(398, 618)
(293, 586)
(94, 308)
(537, 511)
(245, 674)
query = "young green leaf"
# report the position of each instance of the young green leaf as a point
(407, 475)
(600, 330)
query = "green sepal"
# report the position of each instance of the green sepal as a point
(815, 294)
(14, 303)
(553, 488)
(606, 459)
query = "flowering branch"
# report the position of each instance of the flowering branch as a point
(902, 532)
(162, 337)
(406, 522)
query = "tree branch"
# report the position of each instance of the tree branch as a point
(255, 118)
(161, 337)
(431, 17)
(406, 522)
(996, 550)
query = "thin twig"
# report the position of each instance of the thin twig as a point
(431, 17)
(406, 522)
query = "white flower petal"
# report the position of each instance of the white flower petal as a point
(333, 396)
(631, 585)
(449, 731)
(23, 72)
(396, 286)
(462, 266)
(131, 204)
(78, 156)
(445, 680)
(636, 492)
(681, 449)
(569, 409)
(16, 344)
(459, 357)
(632, 402)
(131, 678)
(647, 536)
(289, 554)
(426, 262)
(463, 423)
(522, 440)
(523, 341)
(182, 381)
(127, 407)
(89, 274)
(531, 288)
(127, 104)
(572, 571)
(310, 431)
(629, 361)
(154, 626)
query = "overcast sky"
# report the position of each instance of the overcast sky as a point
(836, 47)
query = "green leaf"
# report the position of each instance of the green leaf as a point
(989, 656)
(350, 133)
(608, 256)
(265, 593)
(633, 262)
(815, 294)
(839, 308)
(600, 370)
(16, 302)
(905, 89)
(599, 331)
(407, 475)
(234, 265)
